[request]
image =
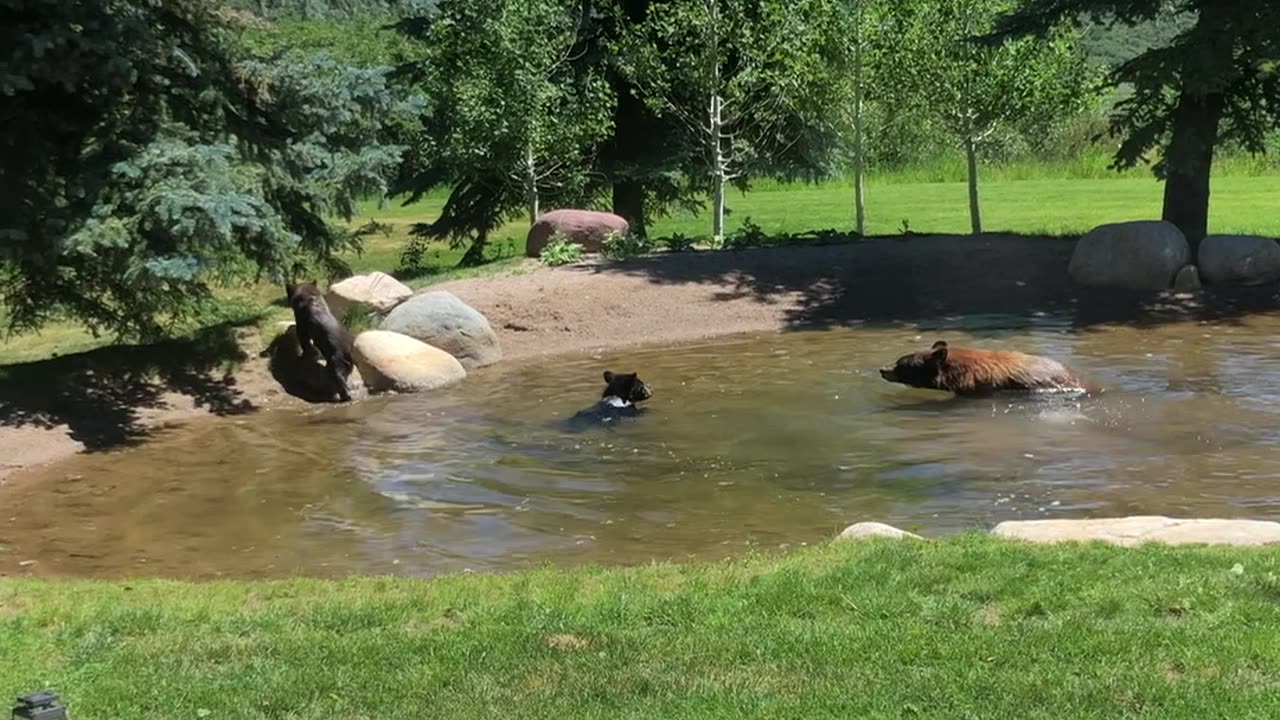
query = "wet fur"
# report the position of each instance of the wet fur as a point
(318, 330)
(622, 392)
(982, 372)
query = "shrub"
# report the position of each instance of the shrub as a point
(679, 242)
(617, 246)
(748, 236)
(560, 252)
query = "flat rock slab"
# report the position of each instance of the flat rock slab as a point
(864, 530)
(1131, 531)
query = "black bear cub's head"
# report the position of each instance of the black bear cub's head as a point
(626, 387)
(919, 369)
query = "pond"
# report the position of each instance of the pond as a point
(759, 442)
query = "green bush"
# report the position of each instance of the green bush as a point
(679, 242)
(617, 246)
(560, 252)
(748, 236)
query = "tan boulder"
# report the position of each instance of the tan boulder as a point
(391, 361)
(588, 228)
(376, 291)
(864, 530)
(1130, 531)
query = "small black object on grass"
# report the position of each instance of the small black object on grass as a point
(39, 706)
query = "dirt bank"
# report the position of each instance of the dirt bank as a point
(117, 396)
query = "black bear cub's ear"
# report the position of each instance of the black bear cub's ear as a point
(608, 376)
(940, 345)
(939, 351)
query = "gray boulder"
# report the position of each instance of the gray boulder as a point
(440, 319)
(585, 227)
(1239, 260)
(1187, 280)
(1143, 255)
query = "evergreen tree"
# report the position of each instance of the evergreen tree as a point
(142, 162)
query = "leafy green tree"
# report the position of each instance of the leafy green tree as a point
(973, 89)
(1214, 81)
(143, 162)
(755, 84)
(514, 118)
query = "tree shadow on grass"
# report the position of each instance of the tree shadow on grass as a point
(100, 394)
(934, 281)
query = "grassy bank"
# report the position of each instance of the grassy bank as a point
(968, 627)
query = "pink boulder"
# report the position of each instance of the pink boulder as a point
(585, 227)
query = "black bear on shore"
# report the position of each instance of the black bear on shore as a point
(319, 330)
(621, 393)
(981, 372)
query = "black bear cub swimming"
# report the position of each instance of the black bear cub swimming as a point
(980, 372)
(621, 393)
(316, 324)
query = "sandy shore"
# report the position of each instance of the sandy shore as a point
(115, 397)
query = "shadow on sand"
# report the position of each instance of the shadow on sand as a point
(932, 279)
(99, 394)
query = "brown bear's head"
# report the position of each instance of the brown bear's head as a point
(625, 386)
(919, 370)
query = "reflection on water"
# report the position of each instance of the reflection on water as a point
(758, 442)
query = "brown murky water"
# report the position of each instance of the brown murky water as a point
(757, 442)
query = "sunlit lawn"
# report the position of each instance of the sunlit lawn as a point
(967, 627)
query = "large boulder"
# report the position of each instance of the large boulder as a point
(391, 361)
(1142, 255)
(585, 227)
(439, 318)
(1239, 260)
(305, 375)
(377, 292)
(1130, 531)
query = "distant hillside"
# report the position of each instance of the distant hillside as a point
(1111, 46)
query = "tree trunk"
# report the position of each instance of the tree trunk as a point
(859, 162)
(719, 177)
(975, 205)
(531, 184)
(1188, 163)
(474, 256)
(624, 155)
(628, 202)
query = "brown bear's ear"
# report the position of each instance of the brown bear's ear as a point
(608, 376)
(941, 344)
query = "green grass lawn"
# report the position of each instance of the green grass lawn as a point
(968, 627)
(1023, 199)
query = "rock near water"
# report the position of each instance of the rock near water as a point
(1143, 255)
(1130, 531)
(391, 361)
(1239, 260)
(864, 530)
(440, 319)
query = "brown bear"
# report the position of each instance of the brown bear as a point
(980, 372)
(319, 330)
